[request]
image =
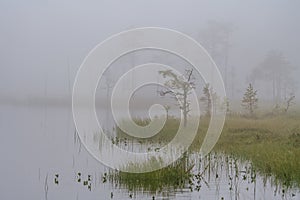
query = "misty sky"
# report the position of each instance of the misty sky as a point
(40, 39)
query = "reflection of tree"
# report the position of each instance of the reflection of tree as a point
(277, 70)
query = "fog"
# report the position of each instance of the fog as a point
(43, 43)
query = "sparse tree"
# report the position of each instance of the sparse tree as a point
(277, 109)
(250, 100)
(215, 100)
(215, 37)
(276, 69)
(225, 105)
(207, 99)
(167, 107)
(180, 88)
(109, 83)
(210, 99)
(289, 102)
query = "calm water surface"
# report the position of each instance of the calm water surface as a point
(41, 158)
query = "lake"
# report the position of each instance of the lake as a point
(42, 158)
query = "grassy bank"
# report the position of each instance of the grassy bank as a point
(174, 176)
(271, 143)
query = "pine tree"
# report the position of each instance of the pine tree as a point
(250, 100)
(207, 99)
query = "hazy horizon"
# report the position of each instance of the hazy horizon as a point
(44, 43)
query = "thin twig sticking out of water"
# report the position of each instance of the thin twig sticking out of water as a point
(200, 175)
(39, 174)
(46, 187)
(77, 141)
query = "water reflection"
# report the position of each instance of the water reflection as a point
(216, 176)
(47, 161)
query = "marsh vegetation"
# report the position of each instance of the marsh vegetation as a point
(270, 143)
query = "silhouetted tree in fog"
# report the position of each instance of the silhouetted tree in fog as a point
(277, 70)
(180, 88)
(210, 99)
(289, 102)
(215, 37)
(250, 100)
(207, 99)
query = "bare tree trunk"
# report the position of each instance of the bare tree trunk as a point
(184, 119)
(273, 90)
(184, 108)
(107, 106)
(232, 82)
(278, 89)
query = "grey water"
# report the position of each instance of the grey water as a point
(42, 158)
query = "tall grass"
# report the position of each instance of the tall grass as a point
(172, 177)
(271, 143)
